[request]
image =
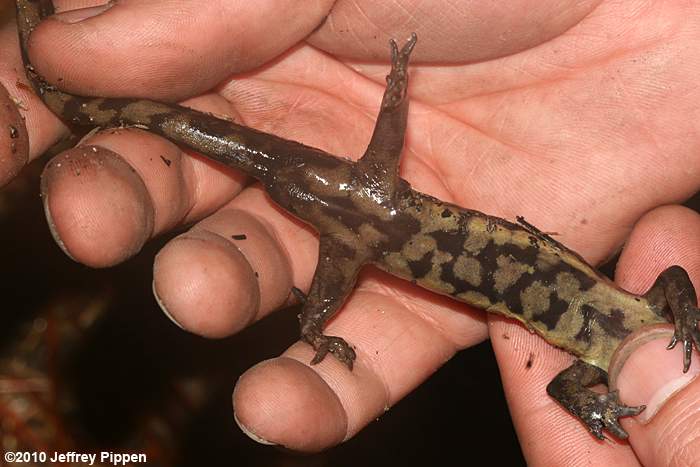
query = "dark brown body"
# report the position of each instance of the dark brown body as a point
(365, 213)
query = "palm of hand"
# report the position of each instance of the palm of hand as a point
(577, 124)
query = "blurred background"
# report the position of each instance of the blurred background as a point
(88, 362)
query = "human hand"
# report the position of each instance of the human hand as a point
(550, 131)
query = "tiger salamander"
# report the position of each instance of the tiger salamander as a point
(366, 214)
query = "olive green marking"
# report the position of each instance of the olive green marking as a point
(534, 299)
(478, 237)
(468, 269)
(508, 272)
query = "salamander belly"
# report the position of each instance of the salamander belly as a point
(507, 269)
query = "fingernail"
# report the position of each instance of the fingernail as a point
(652, 374)
(163, 307)
(81, 14)
(97, 206)
(44, 194)
(250, 434)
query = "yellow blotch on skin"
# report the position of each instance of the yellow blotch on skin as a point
(567, 286)
(468, 269)
(433, 280)
(417, 247)
(142, 111)
(478, 237)
(98, 115)
(535, 299)
(439, 258)
(508, 272)
(398, 265)
(433, 221)
(546, 261)
(502, 236)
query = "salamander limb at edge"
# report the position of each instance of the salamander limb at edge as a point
(366, 214)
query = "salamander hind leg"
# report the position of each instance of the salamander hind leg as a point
(673, 293)
(397, 79)
(334, 279)
(597, 411)
(379, 166)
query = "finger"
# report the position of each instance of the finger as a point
(27, 128)
(662, 238)
(391, 332)
(204, 279)
(250, 243)
(479, 31)
(528, 364)
(233, 267)
(14, 140)
(105, 198)
(666, 432)
(198, 43)
(548, 434)
(392, 325)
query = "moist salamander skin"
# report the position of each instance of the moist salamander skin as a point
(366, 214)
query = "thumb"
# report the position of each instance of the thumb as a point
(666, 433)
(166, 49)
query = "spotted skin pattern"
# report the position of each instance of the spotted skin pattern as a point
(366, 214)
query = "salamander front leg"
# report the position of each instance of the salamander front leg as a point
(336, 273)
(673, 292)
(597, 411)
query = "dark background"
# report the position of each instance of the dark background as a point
(123, 369)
